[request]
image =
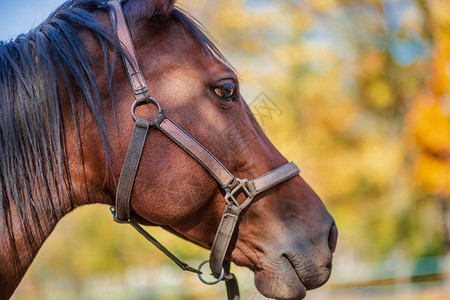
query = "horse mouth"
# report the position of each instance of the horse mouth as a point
(294, 269)
(290, 279)
(282, 282)
(286, 257)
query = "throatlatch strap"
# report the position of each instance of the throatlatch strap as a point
(129, 170)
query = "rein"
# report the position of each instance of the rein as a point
(231, 185)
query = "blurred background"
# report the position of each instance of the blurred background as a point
(357, 93)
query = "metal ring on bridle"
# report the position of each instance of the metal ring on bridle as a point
(148, 100)
(222, 273)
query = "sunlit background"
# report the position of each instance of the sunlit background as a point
(357, 93)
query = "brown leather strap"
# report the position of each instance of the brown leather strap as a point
(131, 62)
(272, 178)
(197, 151)
(232, 288)
(129, 170)
(231, 282)
(233, 209)
(223, 237)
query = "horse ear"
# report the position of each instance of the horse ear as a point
(145, 9)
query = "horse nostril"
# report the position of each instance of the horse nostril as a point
(332, 238)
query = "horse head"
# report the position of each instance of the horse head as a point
(286, 236)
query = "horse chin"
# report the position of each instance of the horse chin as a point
(289, 277)
(285, 285)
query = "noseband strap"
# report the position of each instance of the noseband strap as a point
(233, 209)
(232, 186)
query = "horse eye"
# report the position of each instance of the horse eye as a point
(225, 91)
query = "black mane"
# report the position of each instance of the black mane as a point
(33, 170)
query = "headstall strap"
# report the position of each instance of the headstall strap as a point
(231, 185)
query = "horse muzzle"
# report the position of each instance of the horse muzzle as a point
(298, 266)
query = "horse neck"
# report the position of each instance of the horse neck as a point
(21, 242)
(24, 234)
(43, 173)
(35, 191)
(26, 229)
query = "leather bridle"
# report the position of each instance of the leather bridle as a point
(231, 185)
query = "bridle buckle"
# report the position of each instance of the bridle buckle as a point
(240, 186)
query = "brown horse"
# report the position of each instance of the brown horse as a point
(65, 125)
